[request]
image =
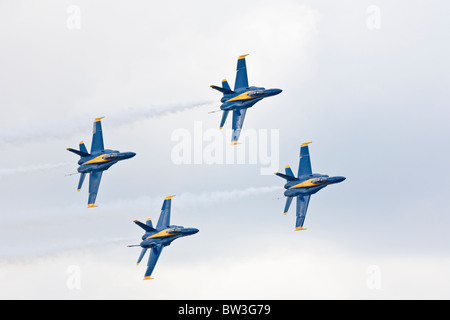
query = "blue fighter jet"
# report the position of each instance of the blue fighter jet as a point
(306, 184)
(162, 236)
(241, 98)
(99, 160)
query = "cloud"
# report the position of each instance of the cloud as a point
(318, 270)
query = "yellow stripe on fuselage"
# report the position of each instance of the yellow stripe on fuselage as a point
(98, 159)
(164, 233)
(305, 184)
(243, 96)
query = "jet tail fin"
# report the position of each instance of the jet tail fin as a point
(225, 87)
(289, 171)
(83, 151)
(83, 147)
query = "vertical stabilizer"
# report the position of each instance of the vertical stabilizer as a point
(83, 148)
(225, 85)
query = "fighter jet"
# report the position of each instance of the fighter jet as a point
(162, 236)
(306, 184)
(241, 98)
(99, 160)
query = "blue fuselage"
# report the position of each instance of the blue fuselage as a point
(246, 97)
(166, 236)
(102, 160)
(309, 184)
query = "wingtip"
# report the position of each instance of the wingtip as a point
(98, 119)
(148, 278)
(92, 205)
(243, 56)
(169, 197)
(235, 143)
(306, 143)
(300, 228)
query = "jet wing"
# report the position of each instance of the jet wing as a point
(154, 255)
(94, 184)
(302, 207)
(97, 137)
(238, 121)
(164, 218)
(241, 74)
(304, 167)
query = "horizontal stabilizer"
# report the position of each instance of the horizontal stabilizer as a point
(288, 204)
(80, 182)
(284, 176)
(144, 250)
(80, 153)
(223, 90)
(146, 227)
(224, 118)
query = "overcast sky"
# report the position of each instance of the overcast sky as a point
(366, 81)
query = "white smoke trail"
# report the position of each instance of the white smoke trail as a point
(208, 198)
(82, 229)
(67, 127)
(5, 172)
(186, 199)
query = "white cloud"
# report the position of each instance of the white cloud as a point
(373, 102)
(279, 271)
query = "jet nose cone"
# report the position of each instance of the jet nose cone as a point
(339, 179)
(128, 155)
(191, 231)
(274, 92)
